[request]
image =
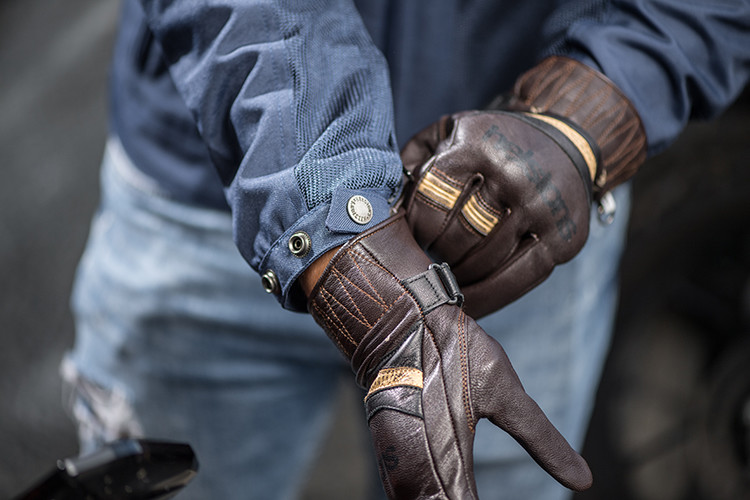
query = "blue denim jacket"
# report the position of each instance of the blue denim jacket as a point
(299, 105)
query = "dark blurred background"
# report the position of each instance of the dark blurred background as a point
(52, 127)
(673, 415)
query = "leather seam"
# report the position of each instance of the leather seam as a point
(359, 317)
(463, 351)
(379, 299)
(429, 201)
(330, 298)
(327, 316)
(487, 206)
(447, 403)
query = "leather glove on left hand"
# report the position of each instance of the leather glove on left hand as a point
(504, 196)
(431, 371)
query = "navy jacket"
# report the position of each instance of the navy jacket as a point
(281, 110)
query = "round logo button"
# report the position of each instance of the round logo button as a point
(359, 209)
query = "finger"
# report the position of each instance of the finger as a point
(527, 267)
(528, 425)
(465, 234)
(425, 143)
(501, 398)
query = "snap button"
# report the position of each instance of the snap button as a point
(300, 244)
(359, 209)
(270, 282)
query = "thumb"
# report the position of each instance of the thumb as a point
(500, 397)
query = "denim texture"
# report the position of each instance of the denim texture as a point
(170, 318)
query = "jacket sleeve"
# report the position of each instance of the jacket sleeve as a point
(294, 104)
(676, 60)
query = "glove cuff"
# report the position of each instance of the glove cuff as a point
(568, 88)
(370, 296)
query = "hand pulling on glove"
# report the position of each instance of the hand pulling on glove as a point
(431, 371)
(503, 196)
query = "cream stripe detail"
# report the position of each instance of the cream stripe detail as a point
(395, 377)
(439, 191)
(478, 216)
(577, 139)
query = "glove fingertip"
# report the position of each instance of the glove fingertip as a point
(576, 475)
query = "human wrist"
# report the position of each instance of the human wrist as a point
(312, 274)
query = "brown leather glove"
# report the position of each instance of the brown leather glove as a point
(431, 371)
(566, 88)
(505, 196)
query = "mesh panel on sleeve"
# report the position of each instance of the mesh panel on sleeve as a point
(343, 108)
(564, 16)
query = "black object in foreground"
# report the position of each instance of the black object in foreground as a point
(125, 469)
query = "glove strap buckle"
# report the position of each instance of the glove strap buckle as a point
(435, 287)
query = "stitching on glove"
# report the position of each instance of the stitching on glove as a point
(329, 314)
(463, 353)
(367, 258)
(330, 324)
(448, 404)
(420, 198)
(480, 215)
(440, 188)
(359, 317)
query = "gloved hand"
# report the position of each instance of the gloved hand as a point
(431, 371)
(505, 196)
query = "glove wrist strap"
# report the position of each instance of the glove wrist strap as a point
(435, 287)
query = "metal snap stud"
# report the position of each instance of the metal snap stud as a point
(270, 282)
(359, 209)
(300, 244)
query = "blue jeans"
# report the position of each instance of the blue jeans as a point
(175, 338)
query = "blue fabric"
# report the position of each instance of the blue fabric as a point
(292, 101)
(151, 119)
(295, 99)
(676, 60)
(175, 339)
(179, 340)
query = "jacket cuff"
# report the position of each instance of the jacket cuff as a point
(327, 226)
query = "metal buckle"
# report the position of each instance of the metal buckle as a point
(449, 283)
